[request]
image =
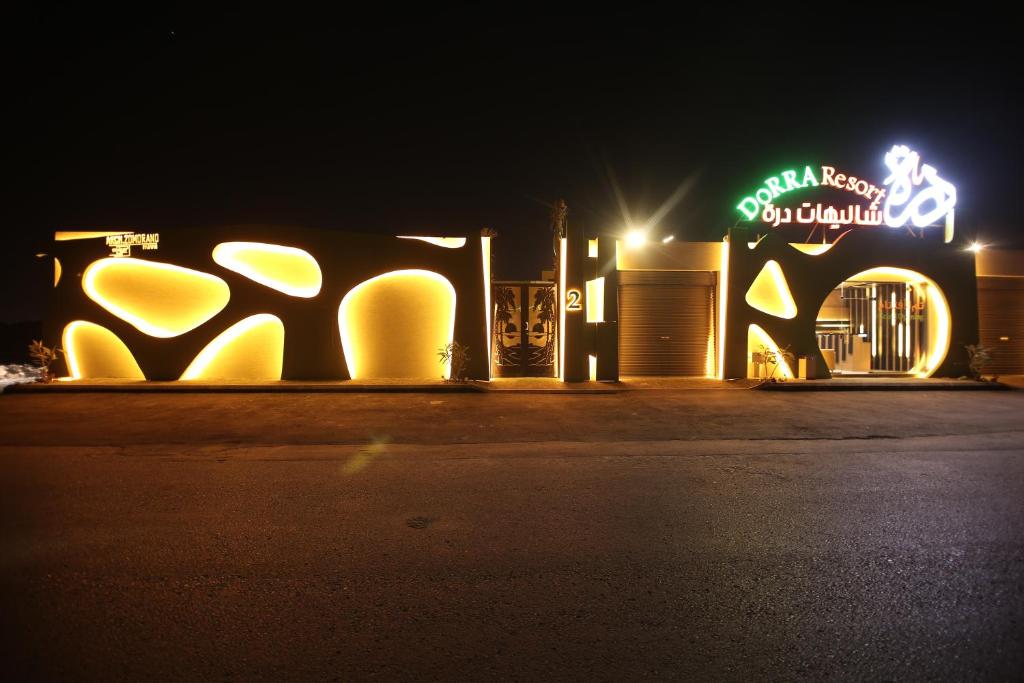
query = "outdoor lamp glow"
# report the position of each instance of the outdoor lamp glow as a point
(636, 238)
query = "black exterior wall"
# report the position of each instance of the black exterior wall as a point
(577, 343)
(812, 278)
(312, 348)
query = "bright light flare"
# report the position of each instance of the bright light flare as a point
(636, 238)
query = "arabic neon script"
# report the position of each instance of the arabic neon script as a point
(817, 215)
(935, 198)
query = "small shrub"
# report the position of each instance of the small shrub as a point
(44, 357)
(978, 357)
(771, 359)
(458, 356)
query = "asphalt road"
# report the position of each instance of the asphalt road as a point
(702, 535)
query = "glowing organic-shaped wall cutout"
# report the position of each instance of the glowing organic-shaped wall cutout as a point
(57, 270)
(758, 338)
(811, 249)
(94, 352)
(769, 292)
(287, 269)
(159, 299)
(446, 242)
(252, 349)
(392, 325)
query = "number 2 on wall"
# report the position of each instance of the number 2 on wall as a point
(572, 300)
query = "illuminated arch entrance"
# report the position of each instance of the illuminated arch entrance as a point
(884, 320)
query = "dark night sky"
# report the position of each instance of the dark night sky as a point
(455, 122)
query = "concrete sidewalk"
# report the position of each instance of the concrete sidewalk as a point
(527, 385)
(882, 384)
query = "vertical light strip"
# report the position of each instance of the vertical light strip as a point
(723, 297)
(561, 307)
(899, 341)
(906, 320)
(941, 345)
(485, 250)
(709, 357)
(595, 300)
(874, 323)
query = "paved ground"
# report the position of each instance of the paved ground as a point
(712, 534)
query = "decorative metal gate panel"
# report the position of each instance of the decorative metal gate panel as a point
(524, 331)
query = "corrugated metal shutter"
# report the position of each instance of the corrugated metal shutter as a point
(664, 321)
(1001, 322)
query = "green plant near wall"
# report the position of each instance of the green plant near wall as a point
(458, 355)
(978, 358)
(770, 359)
(44, 357)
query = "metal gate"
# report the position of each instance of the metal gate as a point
(1001, 323)
(666, 323)
(524, 334)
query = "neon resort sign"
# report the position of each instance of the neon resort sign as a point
(911, 194)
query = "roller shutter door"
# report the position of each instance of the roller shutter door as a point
(664, 321)
(1001, 323)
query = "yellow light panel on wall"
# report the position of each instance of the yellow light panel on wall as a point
(287, 269)
(811, 249)
(94, 352)
(56, 271)
(757, 338)
(723, 307)
(159, 299)
(769, 292)
(595, 300)
(69, 235)
(446, 242)
(393, 325)
(562, 260)
(251, 349)
(485, 252)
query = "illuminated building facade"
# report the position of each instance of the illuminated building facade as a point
(800, 287)
(240, 304)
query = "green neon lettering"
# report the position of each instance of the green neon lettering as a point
(748, 207)
(809, 177)
(773, 186)
(791, 181)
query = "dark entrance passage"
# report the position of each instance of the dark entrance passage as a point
(524, 334)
